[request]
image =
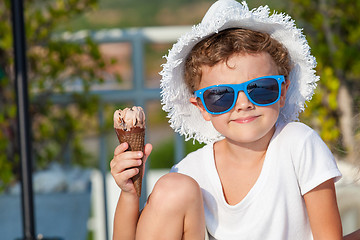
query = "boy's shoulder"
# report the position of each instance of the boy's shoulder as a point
(294, 134)
(296, 137)
(295, 129)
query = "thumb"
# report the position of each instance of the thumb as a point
(147, 151)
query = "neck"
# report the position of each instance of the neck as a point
(243, 153)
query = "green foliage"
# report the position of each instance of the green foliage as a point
(163, 155)
(321, 112)
(54, 67)
(333, 30)
(139, 13)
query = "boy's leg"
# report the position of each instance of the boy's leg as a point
(174, 210)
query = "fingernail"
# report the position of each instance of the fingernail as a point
(139, 154)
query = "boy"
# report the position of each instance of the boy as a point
(237, 82)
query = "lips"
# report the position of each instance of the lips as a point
(245, 119)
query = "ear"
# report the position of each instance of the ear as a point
(197, 102)
(284, 88)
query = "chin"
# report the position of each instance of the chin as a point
(249, 136)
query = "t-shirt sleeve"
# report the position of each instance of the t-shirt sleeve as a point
(314, 163)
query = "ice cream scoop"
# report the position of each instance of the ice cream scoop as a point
(129, 118)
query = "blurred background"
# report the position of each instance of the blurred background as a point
(87, 58)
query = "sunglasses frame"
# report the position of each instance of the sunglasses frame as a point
(240, 87)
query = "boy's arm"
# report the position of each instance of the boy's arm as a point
(123, 168)
(323, 212)
(126, 217)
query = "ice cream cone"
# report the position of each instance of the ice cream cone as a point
(135, 137)
(129, 125)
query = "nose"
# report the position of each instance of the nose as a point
(242, 102)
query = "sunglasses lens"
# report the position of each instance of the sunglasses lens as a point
(219, 99)
(264, 91)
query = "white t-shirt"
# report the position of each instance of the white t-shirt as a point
(297, 160)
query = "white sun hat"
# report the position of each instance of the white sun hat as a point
(185, 118)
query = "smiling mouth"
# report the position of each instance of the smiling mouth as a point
(245, 119)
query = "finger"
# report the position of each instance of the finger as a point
(128, 174)
(130, 155)
(116, 162)
(125, 159)
(124, 180)
(121, 148)
(121, 166)
(112, 163)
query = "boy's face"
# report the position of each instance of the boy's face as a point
(246, 122)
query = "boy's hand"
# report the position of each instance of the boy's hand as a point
(124, 166)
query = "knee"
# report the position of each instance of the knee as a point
(175, 189)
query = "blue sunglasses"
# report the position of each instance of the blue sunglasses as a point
(262, 91)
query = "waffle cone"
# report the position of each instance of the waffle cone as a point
(135, 137)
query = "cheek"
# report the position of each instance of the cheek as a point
(219, 121)
(273, 111)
